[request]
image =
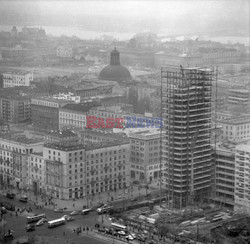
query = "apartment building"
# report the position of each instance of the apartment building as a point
(225, 174)
(238, 96)
(242, 179)
(45, 112)
(65, 170)
(186, 147)
(145, 158)
(76, 171)
(14, 154)
(64, 52)
(36, 173)
(15, 108)
(89, 136)
(107, 166)
(236, 128)
(74, 115)
(17, 78)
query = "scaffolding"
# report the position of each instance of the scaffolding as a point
(186, 104)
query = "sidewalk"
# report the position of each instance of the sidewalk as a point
(88, 201)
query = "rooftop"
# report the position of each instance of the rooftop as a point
(236, 120)
(99, 145)
(17, 72)
(147, 134)
(61, 133)
(104, 133)
(20, 139)
(80, 107)
(62, 147)
(52, 99)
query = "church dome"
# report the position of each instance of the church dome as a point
(115, 71)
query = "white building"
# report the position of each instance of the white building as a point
(242, 179)
(64, 52)
(145, 157)
(68, 96)
(235, 129)
(17, 78)
(14, 154)
(36, 173)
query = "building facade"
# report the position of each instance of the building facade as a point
(186, 147)
(225, 175)
(145, 166)
(17, 78)
(15, 108)
(14, 162)
(242, 179)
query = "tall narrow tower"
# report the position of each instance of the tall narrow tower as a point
(186, 97)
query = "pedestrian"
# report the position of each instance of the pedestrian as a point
(16, 213)
(74, 231)
(73, 205)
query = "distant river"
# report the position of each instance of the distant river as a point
(91, 35)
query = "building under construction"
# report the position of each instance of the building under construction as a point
(186, 98)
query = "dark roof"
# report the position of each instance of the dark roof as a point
(115, 73)
(97, 145)
(61, 133)
(80, 107)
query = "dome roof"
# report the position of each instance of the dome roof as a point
(115, 71)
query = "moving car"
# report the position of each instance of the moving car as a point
(121, 232)
(30, 227)
(23, 198)
(86, 211)
(130, 237)
(74, 213)
(68, 218)
(41, 222)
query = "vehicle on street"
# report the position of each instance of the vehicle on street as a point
(23, 198)
(130, 237)
(30, 227)
(86, 211)
(73, 213)
(10, 195)
(35, 218)
(8, 206)
(68, 218)
(121, 232)
(56, 222)
(104, 209)
(8, 236)
(41, 222)
(3, 210)
(134, 199)
(116, 226)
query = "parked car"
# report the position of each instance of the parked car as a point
(10, 195)
(130, 237)
(74, 213)
(30, 227)
(23, 198)
(121, 232)
(8, 236)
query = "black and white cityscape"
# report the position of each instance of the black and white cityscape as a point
(125, 122)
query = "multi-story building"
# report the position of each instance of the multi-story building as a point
(145, 166)
(15, 108)
(238, 96)
(36, 173)
(89, 136)
(224, 175)
(242, 179)
(74, 115)
(186, 147)
(107, 166)
(45, 112)
(17, 78)
(236, 128)
(14, 153)
(75, 171)
(68, 96)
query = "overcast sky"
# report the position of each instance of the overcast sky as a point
(137, 15)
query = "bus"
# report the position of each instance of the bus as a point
(86, 211)
(119, 226)
(35, 218)
(56, 222)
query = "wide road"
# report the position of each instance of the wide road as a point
(18, 223)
